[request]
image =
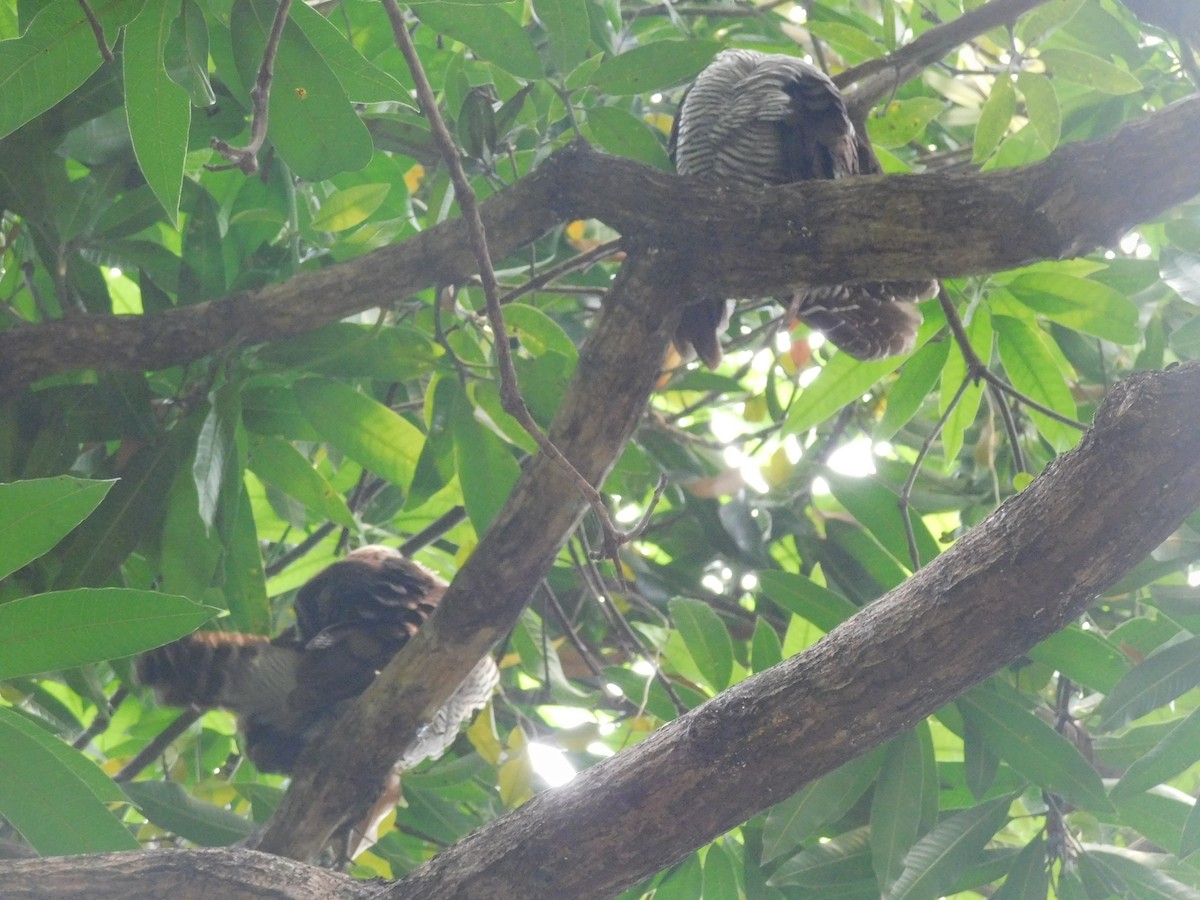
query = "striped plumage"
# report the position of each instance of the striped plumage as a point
(351, 619)
(757, 119)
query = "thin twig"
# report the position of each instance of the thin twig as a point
(977, 369)
(162, 740)
(97, 30)
(103, 717)
(906, 491)
(585, 653)
(246, 158)
(574, 264)
(510, 393)
(434, 530)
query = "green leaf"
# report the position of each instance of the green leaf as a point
(350, 207)
(838, 867)
(842, 380)
(877, 508)
(906, 787)
(765, 649)
(706, 638)
(1027, 876)
(216, 451)
(1041, 105)
(63, 629)
(658, 65)
(1161, 678)
(912, 388)
(362, 428)
(1175, 753)
(1189, 840)
(345, 349)
(935, 863)
(792, 822)
(312, 123)
(277, 462)
(362, 80)
(158, 109)
(1092, 71)
(847, 38)
(54, 56)
(720, 877)
(1138, 875)
(1083, 656)
(1033, 371)
(169, 806)
(623, 134)
(981, 336)
(566, 22)
(807, 599)
(902, 121)
(488, 30)
(485, 464)
(994, 118)
(54, 795)
(1081, 304)
(1035, 749)
(36, 514)
(538, 332)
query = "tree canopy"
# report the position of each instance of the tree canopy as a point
(281, 280)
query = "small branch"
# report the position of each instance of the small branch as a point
(433, 530)
(162, 740)
(574, 264)
(510, 392)
(97, 30)
(103, 717)
(246, 158)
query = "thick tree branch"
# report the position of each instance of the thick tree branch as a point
(755, 242)
(1021, 575)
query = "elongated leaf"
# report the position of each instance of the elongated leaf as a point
(912, 388)
(1136, 870)
(994, 118)
(1083, 656)
(839, 867)
(1189, 840)
(54, 56)
(842, 380)
(362, 80)
(765, 649)
(1035, 749)
(71, 628)
(1159, 680)
(935, 863)
(158, 110)
(277, 462)
(538, 332)
(36, 514)
(49, 799)
(362, 428)
(566, 22)
(796, 819)
(980, 333)
(807, 599)
(1033, 371)
(1027, 877)
(1041, 105)
(485, 464)
(903, 121)
(907, 785)
(1092, 71)
(1079, 303)
(169, 806)
(706, 638)
(877, 509)
(662, 64)
(217, 465)
(488, 30)
(351, 207)
(623, 134)
(312, 123)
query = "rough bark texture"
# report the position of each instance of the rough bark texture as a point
(1018, 577)
(914, 226)
(180, 875)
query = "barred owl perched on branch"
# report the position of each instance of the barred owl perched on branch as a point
(351, 619)
(756, 119)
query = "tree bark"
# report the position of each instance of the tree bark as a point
(754, 243)
(1025, 572)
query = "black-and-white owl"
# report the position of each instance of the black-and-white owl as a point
(759, 119)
